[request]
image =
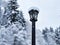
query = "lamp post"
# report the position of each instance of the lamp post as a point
(33, 18)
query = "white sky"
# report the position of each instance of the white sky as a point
(49, 12)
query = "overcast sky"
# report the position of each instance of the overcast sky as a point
(49, 12)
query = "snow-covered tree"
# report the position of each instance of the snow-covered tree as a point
(6, 36)
(49, 36)
(45, 34)
(14, 21)
(40, 39)
(51, 30)
(2, 5)
(17, 22)
(57, 36)
(0, 15)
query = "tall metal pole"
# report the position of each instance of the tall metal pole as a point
(33, 18)
(33, 33)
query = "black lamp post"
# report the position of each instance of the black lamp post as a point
(33, 18)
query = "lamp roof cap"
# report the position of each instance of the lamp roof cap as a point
(33, 8)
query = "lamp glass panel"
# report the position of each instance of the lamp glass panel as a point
(36, 16)
(31, 17)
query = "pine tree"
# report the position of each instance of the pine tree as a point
(48, 35)
(57, 36)
(51, 30)
(45, 34)
(12, 6)
(15, 22)
(0, 15)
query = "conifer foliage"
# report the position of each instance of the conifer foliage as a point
(13, 26)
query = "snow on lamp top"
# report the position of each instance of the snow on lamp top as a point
(34, 8)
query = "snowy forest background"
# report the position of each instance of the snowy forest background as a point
(14, 29)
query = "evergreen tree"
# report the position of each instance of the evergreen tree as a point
(14, 21)
(12, 6)
(0, 15)
(49, 36)
(45, 34)
(16, 18)
(57, 36)
(51, 30)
